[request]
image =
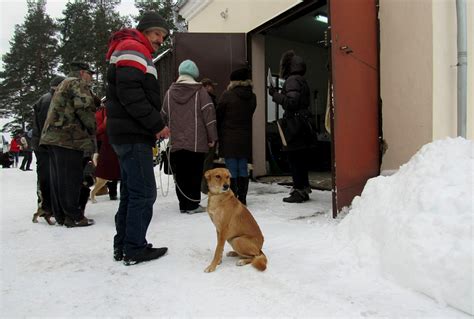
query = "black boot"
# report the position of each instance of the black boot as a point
(233, 185)
(297, 196)
(243, 187)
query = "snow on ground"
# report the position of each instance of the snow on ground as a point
(316, 265)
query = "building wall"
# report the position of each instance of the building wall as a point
(406, 78)
(242, 15)
(419, 76)
(444, 70)
(470, 69)
(418, 55)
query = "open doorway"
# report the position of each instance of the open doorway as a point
(306, 34)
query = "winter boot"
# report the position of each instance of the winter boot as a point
(297, 196)
(243, 187)
(234, 186)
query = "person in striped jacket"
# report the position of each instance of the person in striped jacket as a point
(134, 124)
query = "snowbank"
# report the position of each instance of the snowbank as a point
(417, 225)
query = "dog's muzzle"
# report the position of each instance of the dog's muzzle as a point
(225, 187)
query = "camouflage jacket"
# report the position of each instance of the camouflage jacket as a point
(70, 122)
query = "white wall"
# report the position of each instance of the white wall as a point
(242, 15)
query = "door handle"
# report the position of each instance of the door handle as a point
(346, 49)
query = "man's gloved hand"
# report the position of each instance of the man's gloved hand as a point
(271, 90)
(95, 159)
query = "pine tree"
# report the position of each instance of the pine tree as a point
(105, 21)
(75, 34)
(28, 66)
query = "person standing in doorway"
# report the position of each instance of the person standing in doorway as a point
(134, 124)
(295, 100)
(234, 118)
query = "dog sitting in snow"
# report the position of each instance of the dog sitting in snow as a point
(234, 223)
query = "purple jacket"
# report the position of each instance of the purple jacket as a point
(190, 114)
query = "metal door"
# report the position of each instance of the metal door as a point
(355, 103)
(215, 54)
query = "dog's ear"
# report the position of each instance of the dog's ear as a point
(207, 175)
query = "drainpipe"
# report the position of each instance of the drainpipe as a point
(462, 66)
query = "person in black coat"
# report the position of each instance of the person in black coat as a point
(234, 124)
(40, 112)
(295, 100)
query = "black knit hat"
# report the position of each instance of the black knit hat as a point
(151, 20)
(240, 75)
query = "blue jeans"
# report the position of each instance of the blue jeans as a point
(137, 196)
(237, 167)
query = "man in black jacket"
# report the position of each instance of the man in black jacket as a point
(134, 124)
(40, 111)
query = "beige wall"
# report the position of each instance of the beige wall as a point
(258, 130)
(470, 69)
(444, 70)
(419, 76)
(406, 78)
(242, 15)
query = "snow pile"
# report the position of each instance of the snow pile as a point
(417, 225)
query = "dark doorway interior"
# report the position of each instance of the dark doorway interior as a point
(306, 35)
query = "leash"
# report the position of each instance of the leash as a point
(170, 169)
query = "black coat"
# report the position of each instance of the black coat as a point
(234, 120)
(40, 112)
(295, 100)
(133, 106)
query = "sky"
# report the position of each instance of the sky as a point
(14, 11)
(404, 249)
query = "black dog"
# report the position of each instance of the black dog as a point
(6, 160)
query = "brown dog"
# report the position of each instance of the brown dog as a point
(98, 187)
(233, 222)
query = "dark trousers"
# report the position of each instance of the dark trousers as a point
(298, 161)
(27, 158)
(66, 175)
(137, 196)
(43, 189)
(187, 168)
(112, 187)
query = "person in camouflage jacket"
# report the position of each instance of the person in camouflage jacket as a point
(69, 134)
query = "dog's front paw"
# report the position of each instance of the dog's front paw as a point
(210, 268)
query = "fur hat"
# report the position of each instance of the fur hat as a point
(152, 20)
(56, 81)
(190, 68)
(241, 74)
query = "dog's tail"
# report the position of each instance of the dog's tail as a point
(260, 261)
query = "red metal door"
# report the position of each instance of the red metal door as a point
(355, 79)
(215, 54)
